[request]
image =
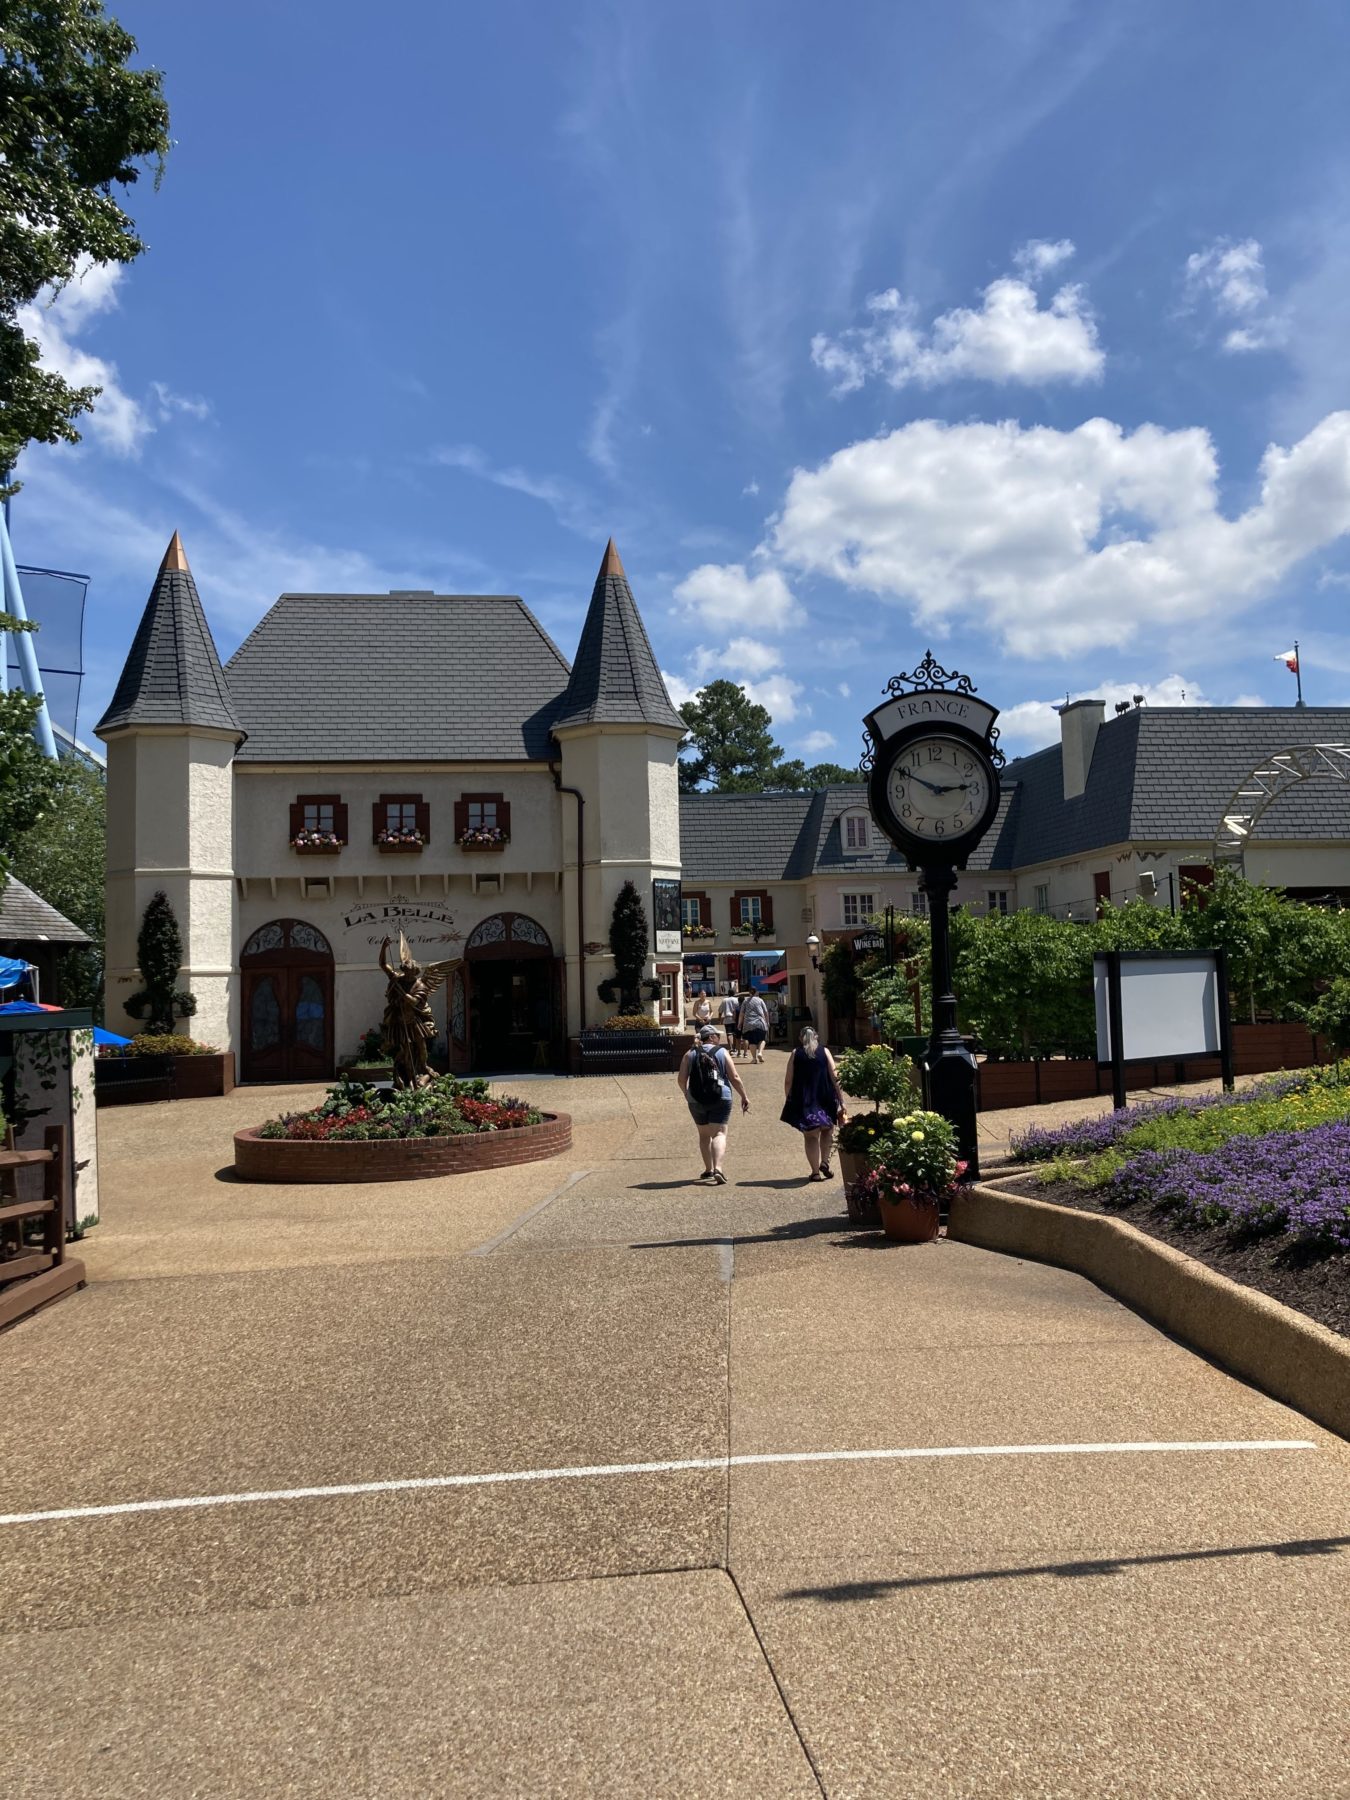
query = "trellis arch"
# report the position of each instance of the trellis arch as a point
(1271, 777)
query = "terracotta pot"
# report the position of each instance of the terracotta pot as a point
(862, 1213)
(909, 1220)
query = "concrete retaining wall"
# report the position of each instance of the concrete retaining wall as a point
(1270, 1345)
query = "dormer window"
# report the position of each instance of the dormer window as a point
(856, 830)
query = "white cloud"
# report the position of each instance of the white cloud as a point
(1010, 338)
(568, 504)
(815, 742)
(845, 690)
(1059, 541)
(169, 402)
(725, 594)
(751, 488)
(752, 657)
(53, 320)
(778, 693)
(1234, 278)
(1333, 578)
(678, 688)
(1039, 257)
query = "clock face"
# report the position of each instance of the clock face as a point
(938, 788)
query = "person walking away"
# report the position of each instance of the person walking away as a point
(707, 1077)
(729, 1013)
(813, 1102)
(754, 1026)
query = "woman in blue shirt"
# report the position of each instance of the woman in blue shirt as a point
(711, 1116)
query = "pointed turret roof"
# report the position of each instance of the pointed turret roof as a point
(615, 680)
(172, 675)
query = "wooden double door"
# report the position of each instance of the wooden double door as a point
(287, 1022)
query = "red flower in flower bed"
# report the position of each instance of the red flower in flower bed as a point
(493, 1115)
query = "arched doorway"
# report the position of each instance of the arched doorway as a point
(506, 1011)
(287, 1024)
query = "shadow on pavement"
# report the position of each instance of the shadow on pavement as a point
(1110, 1565)
(777, 1234)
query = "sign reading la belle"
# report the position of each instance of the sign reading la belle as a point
(418, 920)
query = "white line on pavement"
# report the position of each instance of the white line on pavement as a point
(608, 1471)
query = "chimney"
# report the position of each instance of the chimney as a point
(1079, 723)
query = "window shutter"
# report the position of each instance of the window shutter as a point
(735, 909)
(424, 819)
(340, 820)
(461, 818)
(504, 816)
(766, 911)
(297, 817)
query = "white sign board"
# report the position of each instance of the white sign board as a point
(1169, 1006)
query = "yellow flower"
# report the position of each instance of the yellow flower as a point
(917, 1136)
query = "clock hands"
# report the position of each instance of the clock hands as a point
(956, 787)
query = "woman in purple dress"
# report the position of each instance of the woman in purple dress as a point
(814, 1102)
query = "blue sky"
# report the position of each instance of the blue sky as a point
(1016, 329)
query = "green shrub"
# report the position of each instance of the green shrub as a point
(148, 1043)
(877, 1074)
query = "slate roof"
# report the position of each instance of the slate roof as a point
(615, 679)
(787, 837)
(398, 678)
(1160, 774)
(172, 675)
(26, 918)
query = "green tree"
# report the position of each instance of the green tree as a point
(628, 941)
(1024, 982)
(75, 123)
(159, 951)
(26, 775)
(61, 857)
(1277, 948)
(734, 749)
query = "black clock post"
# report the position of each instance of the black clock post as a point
(932, 748)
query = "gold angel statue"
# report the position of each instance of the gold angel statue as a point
(408, 1025)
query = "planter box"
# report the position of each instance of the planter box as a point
(129, 1080)
(203, 1077)
(400, 849)
(1257, 1050)
(471, 849)
(398, 1159)
(317, 849)
(752, 943)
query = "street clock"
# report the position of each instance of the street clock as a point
(933, 790)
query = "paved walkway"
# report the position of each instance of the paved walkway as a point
(670, 1570)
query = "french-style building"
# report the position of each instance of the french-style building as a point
(1125, 808)
(367, 764)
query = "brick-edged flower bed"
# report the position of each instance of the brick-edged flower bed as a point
(362, 1133)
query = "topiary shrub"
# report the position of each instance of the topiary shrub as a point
(628, 940)
(159, 951)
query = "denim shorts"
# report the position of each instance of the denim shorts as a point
(716, 1112)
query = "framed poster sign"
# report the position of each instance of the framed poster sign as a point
(666, 915)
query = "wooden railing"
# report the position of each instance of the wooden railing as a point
(33, 1264)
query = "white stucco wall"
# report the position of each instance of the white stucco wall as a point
(170, 813)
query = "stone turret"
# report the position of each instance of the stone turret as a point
(620, 736)
(172, 732)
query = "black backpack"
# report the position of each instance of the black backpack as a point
(705, 1078)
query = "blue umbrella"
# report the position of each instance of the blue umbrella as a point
(108, 1037)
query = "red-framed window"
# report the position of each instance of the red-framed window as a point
(482, 812)
(400, 814)
(751, 906)
(319, 812)
(695, 909)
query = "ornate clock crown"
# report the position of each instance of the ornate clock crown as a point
(931, 678)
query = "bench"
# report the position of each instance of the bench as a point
(626, 1052)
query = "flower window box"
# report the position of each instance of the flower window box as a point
(700, 934)
(747, 933)
(482, 822)
(318, 824)
(400, 824)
